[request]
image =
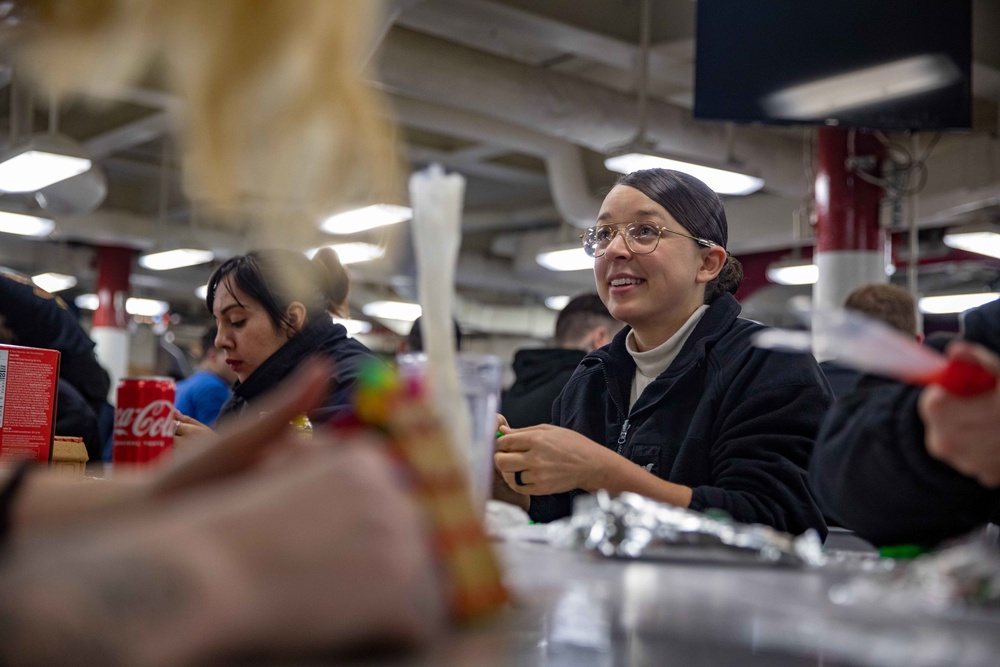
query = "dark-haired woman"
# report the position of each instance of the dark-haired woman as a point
(680, 406)
(273, 311)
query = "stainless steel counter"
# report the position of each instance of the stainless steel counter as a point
(575, 610)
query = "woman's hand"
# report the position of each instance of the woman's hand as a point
(241, 444)
(332, 547)
(963, 431)
(323, 552)
(547, 459)
(191, 433)
(501, 421)
(501, 491)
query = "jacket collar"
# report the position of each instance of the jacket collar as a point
(714, 324)
(316, 336)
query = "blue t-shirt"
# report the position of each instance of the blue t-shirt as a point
(201, 396)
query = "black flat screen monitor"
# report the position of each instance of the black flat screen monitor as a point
(881, 64)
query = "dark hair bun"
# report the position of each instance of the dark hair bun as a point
(728, 280)
(334, 280)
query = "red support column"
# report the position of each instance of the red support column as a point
(114, 266)
(850, 246)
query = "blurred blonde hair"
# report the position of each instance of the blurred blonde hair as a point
(274, 110)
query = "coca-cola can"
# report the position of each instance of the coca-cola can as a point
(144, 419)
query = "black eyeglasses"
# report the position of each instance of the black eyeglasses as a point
(640, 237)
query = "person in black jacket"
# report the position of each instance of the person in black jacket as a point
(897, 463)
(890, 304)
(39, 319)
(32, 317)
(680, 407)
(582, 326)
(273, 309)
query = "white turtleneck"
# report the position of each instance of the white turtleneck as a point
(649, 364)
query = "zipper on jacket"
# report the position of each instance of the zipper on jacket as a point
(622, 437)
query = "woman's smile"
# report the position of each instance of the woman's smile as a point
(622, 283)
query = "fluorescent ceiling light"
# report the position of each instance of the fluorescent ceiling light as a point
(722, 181)
(133, 305)
(33, 170)
(392, 310)
(54, 282)
(955, 303)
(571, 259)
(175, 259)
(201, 292)
(87, 302)
(889, 81)
(803, 273)
(556, 302)
(147, 307)
(982, 242)
(25, 225)
(354, 327)
(369, 217)
(352, 253)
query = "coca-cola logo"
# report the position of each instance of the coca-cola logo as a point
(153, 421)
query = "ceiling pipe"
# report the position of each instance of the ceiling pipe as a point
(474, 222)
(574, 110)
(564, 161)
(525, 321)
(530, 321)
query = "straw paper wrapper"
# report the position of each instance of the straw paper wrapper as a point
(436, 198)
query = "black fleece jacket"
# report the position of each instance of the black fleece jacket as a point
(733, 422)
(871, 471)
(322, 338)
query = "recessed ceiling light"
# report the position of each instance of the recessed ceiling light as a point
(793, 272)
(42, 160)
(556, 302)
(25, 225)
(955, 303)
(724, 182)
(54, 282)
(133, 305)
(392, 310)
(570, 259)
(175, 259)
(982, 242)
(369, 217)
(354, 327)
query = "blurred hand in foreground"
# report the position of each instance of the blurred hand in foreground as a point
(964, 432)
(317, 551)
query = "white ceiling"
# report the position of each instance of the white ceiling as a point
(524, 98)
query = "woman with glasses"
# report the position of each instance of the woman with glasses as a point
(680, 407)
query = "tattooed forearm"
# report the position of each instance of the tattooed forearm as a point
(92, 611)
(40, 624)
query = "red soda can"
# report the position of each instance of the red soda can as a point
(144, 419)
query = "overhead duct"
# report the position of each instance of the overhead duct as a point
(526, 321)
(563, 160)
(583, 113)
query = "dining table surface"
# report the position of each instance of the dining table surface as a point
(572, 608)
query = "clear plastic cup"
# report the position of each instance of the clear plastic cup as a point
(480, 377)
